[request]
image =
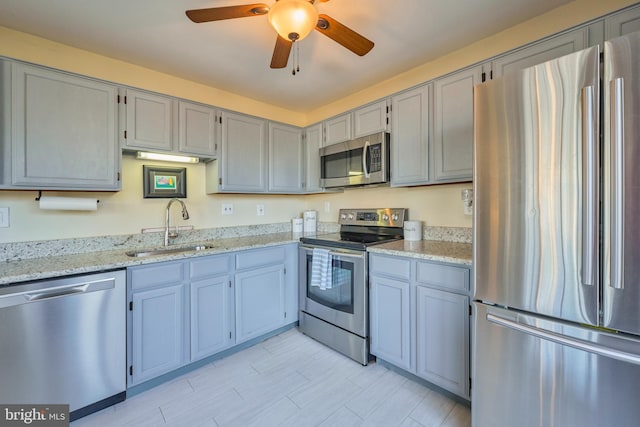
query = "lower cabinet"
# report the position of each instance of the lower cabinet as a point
(419, 318)
(184, 311)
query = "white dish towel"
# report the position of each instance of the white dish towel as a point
(321, 268)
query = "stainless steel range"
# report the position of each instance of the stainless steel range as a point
(334, 283)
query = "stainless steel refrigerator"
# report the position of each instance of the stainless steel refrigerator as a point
(557, 243)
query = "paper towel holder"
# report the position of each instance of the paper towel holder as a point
(40, 195)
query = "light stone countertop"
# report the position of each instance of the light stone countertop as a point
(12, 272)
(430, 250)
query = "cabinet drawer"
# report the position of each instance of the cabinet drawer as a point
(157, 275)
(260, 257)
(390, 266)
(209, 266)
(443, 276)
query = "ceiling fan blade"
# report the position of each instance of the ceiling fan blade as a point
(344, 35)
(227, 12)
(281, 53)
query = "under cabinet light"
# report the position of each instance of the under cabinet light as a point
(144, 155)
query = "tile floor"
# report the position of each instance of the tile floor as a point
(287, 380)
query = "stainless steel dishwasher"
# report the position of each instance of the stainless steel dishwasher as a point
(63, 342)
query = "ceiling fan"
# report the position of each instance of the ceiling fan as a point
(293, 20)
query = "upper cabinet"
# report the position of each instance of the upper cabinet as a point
(162, 123)
(337, 129)
(286, 164)
(411, 118)
(371, 118)
(453, 127)
(537, 53)
(312, 144)
(59, 130)
(621, 23)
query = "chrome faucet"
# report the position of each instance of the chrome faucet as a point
(185, 216)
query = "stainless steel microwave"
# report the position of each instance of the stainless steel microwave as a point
(360, 161)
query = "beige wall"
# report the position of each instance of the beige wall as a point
(126, 212)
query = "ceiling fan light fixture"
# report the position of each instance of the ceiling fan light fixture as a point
(293, 19)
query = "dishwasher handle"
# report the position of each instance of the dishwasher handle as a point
(19, 298)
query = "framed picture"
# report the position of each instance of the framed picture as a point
(164, 182)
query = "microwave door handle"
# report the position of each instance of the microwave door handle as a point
(365, 169)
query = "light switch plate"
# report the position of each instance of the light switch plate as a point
(4, 217)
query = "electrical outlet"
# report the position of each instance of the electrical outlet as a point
(327, 207)
(227, 209)
(260, 210)
(4, 217)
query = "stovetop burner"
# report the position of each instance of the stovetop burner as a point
(360, 228)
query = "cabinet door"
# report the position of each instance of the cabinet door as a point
(158, 332)
(312, 144)
(453, 137)
(244, 153)
(211, 316)
(148, 121)
(622, 23)
(337, 129)
(64, 131)
(286, 173)
(442, 343)
(196, 129)
(538, 53)
(370, 119)
(260, 301)
(390, 321)
(410, 115)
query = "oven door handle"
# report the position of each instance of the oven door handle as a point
(339, 253)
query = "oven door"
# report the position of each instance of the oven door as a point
(344, 305)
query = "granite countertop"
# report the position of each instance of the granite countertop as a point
(431, 250)
(90, 262)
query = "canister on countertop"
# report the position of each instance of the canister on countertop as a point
(413, 230)
(297, 225)
(310, 220)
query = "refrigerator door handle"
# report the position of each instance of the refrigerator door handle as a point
(565, 340)
(617, 182)
(589, 184)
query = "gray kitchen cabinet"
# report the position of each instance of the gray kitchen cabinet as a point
(411, 118)
(158, 313)
(286, 159)
(442, 339)
(390, 320)
(197, 129)
(371, 118)
(242, 164)
(537, 53)
(312, 144)
(337, 129)
(389, 305)
(622, 23)
(419, 318)
(164, 124)
(60, 132)
(260, 292)
(212, 315)
(148, 120)
(453, 127)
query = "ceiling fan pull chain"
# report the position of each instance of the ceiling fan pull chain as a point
(293, 60)
(298, 57)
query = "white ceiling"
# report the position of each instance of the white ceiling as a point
(234, 55)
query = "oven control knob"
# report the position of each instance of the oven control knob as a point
(395, 217)
(351, 216)
(385, 217)
(343, 216)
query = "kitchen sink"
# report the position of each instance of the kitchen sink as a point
(168, 250)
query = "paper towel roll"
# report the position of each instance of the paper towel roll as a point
(413, 230)
(68, 203)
